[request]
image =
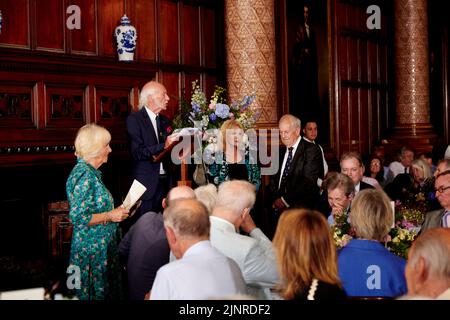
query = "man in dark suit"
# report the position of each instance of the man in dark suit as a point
(148, 132)
(295, 184)
(145, 248)
(441, 217)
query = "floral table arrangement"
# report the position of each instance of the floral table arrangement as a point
(408, 219)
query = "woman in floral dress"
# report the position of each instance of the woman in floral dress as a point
(232, 159)
(94, 256)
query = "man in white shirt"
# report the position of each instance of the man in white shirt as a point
(428, 269)
(254, 253)
(404, 165)
(310, 135)
(201, 272)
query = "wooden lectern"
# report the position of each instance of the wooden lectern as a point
(184, 166)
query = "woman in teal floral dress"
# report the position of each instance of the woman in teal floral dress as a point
(96, 234)
(232, 160)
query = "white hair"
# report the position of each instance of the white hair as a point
(235, 196)
(148, 90)
(207, 195)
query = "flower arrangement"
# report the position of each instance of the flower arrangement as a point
(406, 228)
(205, 115)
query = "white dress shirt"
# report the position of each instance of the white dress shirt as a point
(396, 168)
(254, 255)
(286, 156)
(153, 116)
(202, 273)
(325, 164)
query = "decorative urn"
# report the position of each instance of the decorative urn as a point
(126, 36)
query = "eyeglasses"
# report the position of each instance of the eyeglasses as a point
(442, 189)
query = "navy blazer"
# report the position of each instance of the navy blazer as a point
(144, 145)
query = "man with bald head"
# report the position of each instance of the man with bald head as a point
(428, 269)
(148, 132)
(301, 164)
(145, 246)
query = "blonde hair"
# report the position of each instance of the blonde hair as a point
(371, 215)
(424, 166)
(227, 125)
(90, 141)
(305, 250)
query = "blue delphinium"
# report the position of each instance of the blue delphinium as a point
(212, 117)
(196, 107)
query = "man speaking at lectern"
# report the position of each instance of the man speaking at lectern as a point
(149, 134)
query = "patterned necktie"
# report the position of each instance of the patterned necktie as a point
(287, 167)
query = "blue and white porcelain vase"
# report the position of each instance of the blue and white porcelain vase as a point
(126, 36)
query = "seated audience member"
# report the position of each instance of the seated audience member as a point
(145, 246)
(306, 257)
(340, 191)
(443, 165)
(365, 266)
(388, 176)
(254, 253)
(353, 167)
(440, 217)
(402, 166)
(207, 195)
(406, 186)
(374, 170)
(200, 271)
(428, 267)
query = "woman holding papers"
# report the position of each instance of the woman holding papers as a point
(94, 257)
(234, 160)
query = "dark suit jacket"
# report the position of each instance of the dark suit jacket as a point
(145, 249)
(144, 145)
(433, 219)
(301, 185)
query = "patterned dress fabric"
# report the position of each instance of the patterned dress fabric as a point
(94, 248)
(218, 171)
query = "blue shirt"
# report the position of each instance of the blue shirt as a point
(367, 268)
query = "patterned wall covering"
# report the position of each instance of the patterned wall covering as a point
(250, 54)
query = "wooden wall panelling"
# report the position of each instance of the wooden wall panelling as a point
(16, 28)
(50, 25)
(65, 106)
(171, 81)
(109, 14)
(191, 35)
(144, 19)
(169, 37)
(83, 41)
(16, 105)
(209, 38)
(210, 83)
(187, 84)
(112, 106)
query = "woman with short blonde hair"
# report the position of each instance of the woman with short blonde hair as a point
(306, 256)
(96, 232)
(365, 266)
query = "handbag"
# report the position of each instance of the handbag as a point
(199, 175)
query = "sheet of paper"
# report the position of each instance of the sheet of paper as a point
(187, 132)
(136, 191)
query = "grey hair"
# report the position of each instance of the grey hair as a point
(293, 121)
(434, 247)
(207, 195)
(236, 195)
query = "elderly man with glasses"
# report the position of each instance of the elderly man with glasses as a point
(441, 217)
